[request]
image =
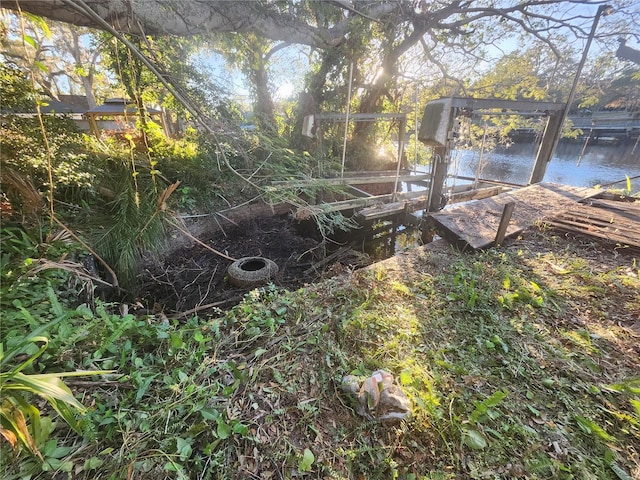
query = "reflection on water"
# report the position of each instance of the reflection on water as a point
(390, 241)
(600, 164)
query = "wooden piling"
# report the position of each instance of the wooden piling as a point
(504, 223)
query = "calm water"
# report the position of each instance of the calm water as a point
(600, 165)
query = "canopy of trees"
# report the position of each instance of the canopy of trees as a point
(161, 17)
(217, 67)
(400, 53)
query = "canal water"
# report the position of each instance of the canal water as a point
(597, 165)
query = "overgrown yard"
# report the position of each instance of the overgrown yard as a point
(520, 362)
(120, 359)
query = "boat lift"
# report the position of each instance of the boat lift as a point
(439, 129)
(441, 121)
(385, 185)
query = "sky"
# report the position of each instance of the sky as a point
(289, 65)
(288, 68)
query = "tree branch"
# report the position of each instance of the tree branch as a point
(275, 49)
(162, 17)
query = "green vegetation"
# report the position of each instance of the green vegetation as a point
(15, 408)
(519, 362)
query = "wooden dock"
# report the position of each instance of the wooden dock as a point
(491, 212)
(398, 206)
(408, 204)
(474, 225)
(615, 221)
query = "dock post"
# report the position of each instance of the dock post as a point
(550, 138)
(504, 223)
(438, 176)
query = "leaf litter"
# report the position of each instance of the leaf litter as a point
(518, 362)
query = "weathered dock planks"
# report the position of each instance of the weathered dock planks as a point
(352, 180)
(395, 208)
(617, 222)
(307, 212)
(474, 225)
(420, 203)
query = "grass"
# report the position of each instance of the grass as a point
(520, 362)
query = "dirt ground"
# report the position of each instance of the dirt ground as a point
(193, 276)
(409, 313)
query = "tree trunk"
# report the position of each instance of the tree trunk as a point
(263, 106)
(371, 102)
(87, 78)
(168, 17)
(87, 84)
(309, 103)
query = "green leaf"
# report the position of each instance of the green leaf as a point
(498, 341)
(548, 382)
(406, 378)
(620, 473)
(31, 41)
(223, 430)
(51, 388)
(59, 452)
(240, 429)
(473, 439)
(38, 22)
(183, 447)
(92, 463)
(176, 342)
(209, 414)
(41, 66)
(636, 406)
(259, 352)
(304, 465)
(33, 337)
(57, 309)
(48, 386)
(482, 408)
(67, 413)
(591, 427)
(629, 386)
(81, 71)
(144, 386)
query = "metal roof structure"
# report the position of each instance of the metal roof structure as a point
(55, 106)
(114, 107)
(47, 106)
(120, 107)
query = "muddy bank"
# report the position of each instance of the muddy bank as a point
(190, 276)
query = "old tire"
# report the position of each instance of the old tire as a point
(252, 271)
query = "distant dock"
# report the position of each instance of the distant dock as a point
(597, 127)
